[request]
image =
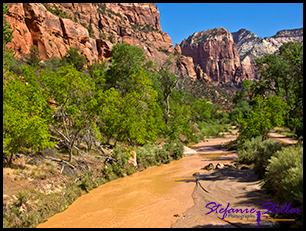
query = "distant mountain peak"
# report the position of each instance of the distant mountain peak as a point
(251, 47)
(289, 33)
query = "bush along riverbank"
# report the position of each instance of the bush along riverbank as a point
(38, 201)
(280, 166)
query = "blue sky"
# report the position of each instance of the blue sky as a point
(180, 20)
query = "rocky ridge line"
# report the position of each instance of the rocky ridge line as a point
(251, 47)
(216, 53)
(93, 28)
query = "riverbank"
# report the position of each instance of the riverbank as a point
(35, 187)
(240, 189)
(155, 197)
(162, 196)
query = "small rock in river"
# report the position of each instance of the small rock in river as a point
(208, 167)
(219, 166)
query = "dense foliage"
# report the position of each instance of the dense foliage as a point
(136, 104)
(130, 100)
(25, 113)
(275, 100)
(7, 34)
(282, 74)
(284, 176)
(265, 115)
(281, 169)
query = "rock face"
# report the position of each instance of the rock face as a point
(92, 27)
(215, 52)
(295, 35)
(251, 47)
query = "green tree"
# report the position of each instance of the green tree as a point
(76, 103)
(126, 61)
(244, 93)
(239, 109)
(282, 74)
(33, 58)
(242, 100)
(135, 118)
(130, 110)
(7, 34)
(72, 57)
(168, 83)
(178, 121)
(265, 115)
(26, 113)
(202, 111)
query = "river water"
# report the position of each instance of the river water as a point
(155, 197)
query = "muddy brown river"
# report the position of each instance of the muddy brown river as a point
(155, 197)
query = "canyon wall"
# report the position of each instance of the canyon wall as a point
(251, 47)
(93, 28)
(215, 52)
(215, 55)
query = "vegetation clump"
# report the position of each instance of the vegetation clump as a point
(133, 104)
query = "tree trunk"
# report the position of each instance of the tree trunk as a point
(10, 159)
(167, 109)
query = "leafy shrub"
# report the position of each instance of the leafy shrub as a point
(72, 57)
(284, 180)
(162, 156)
(211, 130)
(285, 174)
(146, 156)
(266, 151)
(258, 152)
(178, 151)
(120, 168)
(22, 198)
(175, 150)
(33, 58)
(249, 150)
(107, 171)
(53, 63)
(86, 182)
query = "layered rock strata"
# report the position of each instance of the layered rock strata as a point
(251, 47)
(92, 27)
(216, 53)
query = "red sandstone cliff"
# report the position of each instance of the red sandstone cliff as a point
(216, 53)
(92, 27)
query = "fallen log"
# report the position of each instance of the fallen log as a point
(107, 158)
(61, 161)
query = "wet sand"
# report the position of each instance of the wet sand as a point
(240, 188)
(170, 195)
(155, 197)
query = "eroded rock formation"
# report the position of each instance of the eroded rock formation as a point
(216, 53)
(251, 47)
(213, 55)
(92, 27)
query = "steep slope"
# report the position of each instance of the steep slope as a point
(295, 35)
(92, 27)
(216, 53)
(251, 47)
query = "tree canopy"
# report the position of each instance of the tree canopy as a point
(25, 113)
(7, 34)
(282, 74)
(265, 115)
